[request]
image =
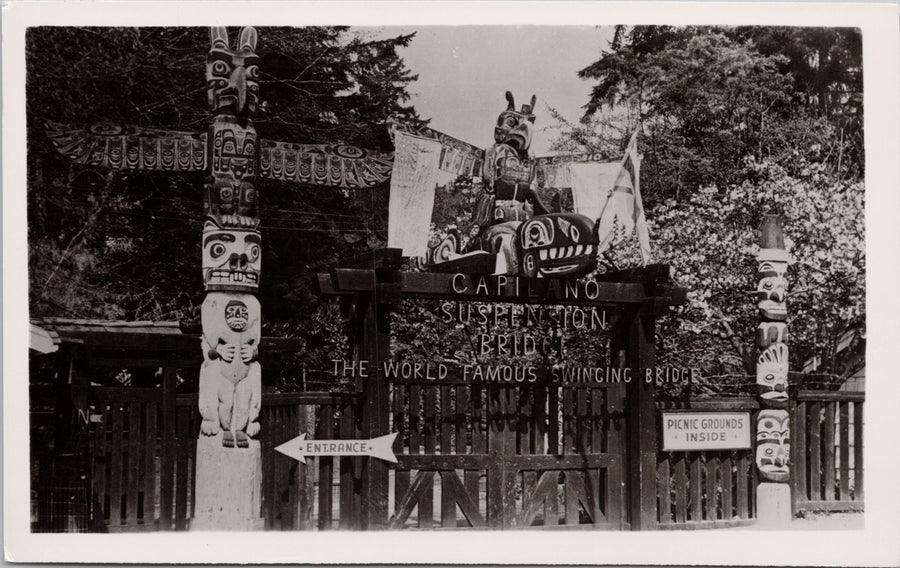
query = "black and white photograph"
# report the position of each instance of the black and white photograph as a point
(508, 278)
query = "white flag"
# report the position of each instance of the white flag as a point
(413, 182)
(611, 193)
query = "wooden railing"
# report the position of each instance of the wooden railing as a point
(709, 489)
(827, 451)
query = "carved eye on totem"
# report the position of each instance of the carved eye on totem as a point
(769, 452)
(217, 250)
(575, 233)
(511, 121)
(220, 68)
(768, 284)
(253, 72)
(537, 234)
(769, 378)
(225, 194)
(253, 253)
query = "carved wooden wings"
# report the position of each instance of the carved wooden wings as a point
(135, 148)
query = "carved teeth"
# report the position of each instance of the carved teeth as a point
(578, 249)
(543, 254)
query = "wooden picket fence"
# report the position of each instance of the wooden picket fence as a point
(827, 451)
(142, 466)
(709, 489)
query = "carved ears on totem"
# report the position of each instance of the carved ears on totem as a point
(512, 103)
(528, 110)
(218, 37)
(247, 40)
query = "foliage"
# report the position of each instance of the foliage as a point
(738, 123)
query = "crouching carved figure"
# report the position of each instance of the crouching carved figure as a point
(230, 377)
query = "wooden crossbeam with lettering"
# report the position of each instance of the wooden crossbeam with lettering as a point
(463, 287)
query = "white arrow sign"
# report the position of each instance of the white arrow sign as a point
(299, 448)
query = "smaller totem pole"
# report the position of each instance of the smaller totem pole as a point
(773, 421)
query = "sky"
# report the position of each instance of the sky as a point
(465, 71)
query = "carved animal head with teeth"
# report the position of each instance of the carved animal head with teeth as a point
(232, 258)
(558, 244)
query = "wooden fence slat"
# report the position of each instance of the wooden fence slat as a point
(613, 444)
(430, 422)
(298, 469)
(183, 425)
(743, 469)
(325, 431)
(830, 414)
(696, 488)
(711, 468)
(134, 462)
(583, 423)
(426, 503)
(401, 477)
(151, 409)
(665, 498)
(461, 443)
(844, 440)
(167, 449)
(347, 509)
(553, 416)
(681, 488)
(570, 479)
(858, 451)
(115, 469)
(448, 505)
(472, 478)
(523, 421)
(814, 424)
(415, 419)
(459, 419)
(446, 421)
(268, 466)
(598, 417)
(100, 461)
(569, 417)
(799, 451)
(726, 473)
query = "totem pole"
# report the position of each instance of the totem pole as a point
(227, 492)
(773, 421)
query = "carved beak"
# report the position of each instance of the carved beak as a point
(238, 82)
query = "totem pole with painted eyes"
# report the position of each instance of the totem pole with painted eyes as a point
(234, 157)
(773, 421)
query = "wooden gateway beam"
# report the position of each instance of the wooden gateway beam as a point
(390, 288)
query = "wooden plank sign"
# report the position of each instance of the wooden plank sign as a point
(696, 431)
(299, 448)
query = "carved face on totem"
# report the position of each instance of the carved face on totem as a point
(772, 374)
(232, 76)
(770, 291)
(232, 258)
(769, 332)
(514, 128)
(231, 189)
(237, 315)
(773, 445)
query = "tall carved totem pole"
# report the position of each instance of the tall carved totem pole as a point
(227, 492)
(773, 422)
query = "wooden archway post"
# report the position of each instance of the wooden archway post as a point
(634, 336)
